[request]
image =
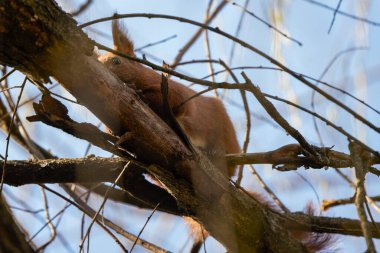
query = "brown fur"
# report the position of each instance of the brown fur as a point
(203, 119)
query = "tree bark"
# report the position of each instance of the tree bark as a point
(42, 41)
(88, 172)
(12, 240)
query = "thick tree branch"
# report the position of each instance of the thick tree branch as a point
(83, 170)
(12, 239)
(290, 157)
(147, 195)
(90, 171)
(342, 226)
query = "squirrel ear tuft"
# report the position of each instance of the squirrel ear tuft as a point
(121, 40)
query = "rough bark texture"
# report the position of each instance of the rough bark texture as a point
(39, 39)
(146, 195)
(12, 240)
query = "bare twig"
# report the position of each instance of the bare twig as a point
(317, 80)
(238, 29)
(59, 213)
(7, 74)
(268, 190)
(48, 222)
(360, 159)
(334, 16)
(82, 8)
(271, 110)
(9, 88)
(146, 223)
(102, 220)
(87, 197)
(102, 206)
(18, 127)
(208, 49)
(248, 122)
(9, 135)
(26, 210)
(186, 47)
(80, 207)
(333, 60)
(246, 142)
(156, 43)
(267, 24)
(329, 123)
(365, 20)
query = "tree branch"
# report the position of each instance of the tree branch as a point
(147, 195)
(12, 239)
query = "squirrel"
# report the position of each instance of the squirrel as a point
(203, 119)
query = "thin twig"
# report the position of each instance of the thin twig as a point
(268, 24)
(146, 223)
(44, 89)
(9, 88)
(207, 45)
(370, 215)
(90, 212)
(36, 96)
(102, 205)
(22, 132)
(156, 43)
(254, 115)
(194, 38)
(49, 222)
(39, 218)
(247, 117)
(333, 60)
(80, 207)
(7, 74)
(268, 190)
(303, 75)
(82, 8)
(204, 239)
(271, 110)
(307, 181)
(333, 19)
(365, 20)
(45, 224)
(238, 29)
(26, 210)
(192, 97)
(329, 123)
(87, 197)
(360, 160)
(9, 135)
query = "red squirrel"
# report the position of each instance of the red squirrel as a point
(203, 119)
